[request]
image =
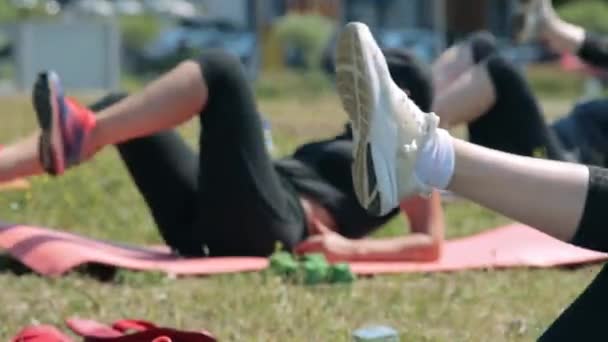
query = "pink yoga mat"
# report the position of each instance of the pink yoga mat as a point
(51, 252)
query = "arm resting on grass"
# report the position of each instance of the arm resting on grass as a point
(424, 244)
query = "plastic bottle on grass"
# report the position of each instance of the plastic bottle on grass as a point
(377, 333)
(267, 127)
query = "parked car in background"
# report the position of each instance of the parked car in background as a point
(102, 8)
(176, 8)
(128, 7)
(422, 43)
(188, 37)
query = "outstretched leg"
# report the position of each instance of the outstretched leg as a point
(561, 199)
(71, 133)
(417, 156)
(20, 159)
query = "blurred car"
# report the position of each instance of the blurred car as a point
(529, 53)
(176, 8)
(25, 4)
(96, 7)
(422, 43)
(5, 46)
(128, 7)
(191, 36)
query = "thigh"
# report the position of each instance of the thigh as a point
(165, 171)
(245, 207)
(515, 123)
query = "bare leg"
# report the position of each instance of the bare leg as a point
(463, 87)
(167, 102)
(467, 98)
(461, 57)
(20, 159)
(547, 195)
(172, 99)
(452, 63)
(560, 35)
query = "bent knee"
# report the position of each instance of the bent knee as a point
(219, 66)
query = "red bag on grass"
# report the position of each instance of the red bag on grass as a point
(133, 331)
(120, 331)
(40, 333)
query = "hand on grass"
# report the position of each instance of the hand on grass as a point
(335, 246)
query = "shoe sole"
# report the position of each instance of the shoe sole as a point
(48, 114)
(353, 82)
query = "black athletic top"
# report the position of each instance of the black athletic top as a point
(322, 171)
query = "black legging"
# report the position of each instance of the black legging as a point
(594, 50)
(516, 111)
(514, 123)
(227, 199)
(585, 318)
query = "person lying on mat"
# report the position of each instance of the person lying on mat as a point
(564, 200)
(230, 199)
(476, 86)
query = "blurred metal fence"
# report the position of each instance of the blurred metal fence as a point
(86, 53)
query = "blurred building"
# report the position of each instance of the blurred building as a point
(424, 25)
(465, 16)
(241, 13)
(451, 18)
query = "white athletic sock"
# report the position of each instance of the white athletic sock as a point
(435, 164)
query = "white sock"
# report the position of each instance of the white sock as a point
(435, 164)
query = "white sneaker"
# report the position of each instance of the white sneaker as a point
(533, 19)
(388, 128)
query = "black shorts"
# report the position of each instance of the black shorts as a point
(227, 199)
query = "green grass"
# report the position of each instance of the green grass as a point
(549, 81)
(98, 199)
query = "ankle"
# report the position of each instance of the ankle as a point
(435, 164)
(93, 142)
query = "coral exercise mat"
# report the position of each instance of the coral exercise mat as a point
(52, 252)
